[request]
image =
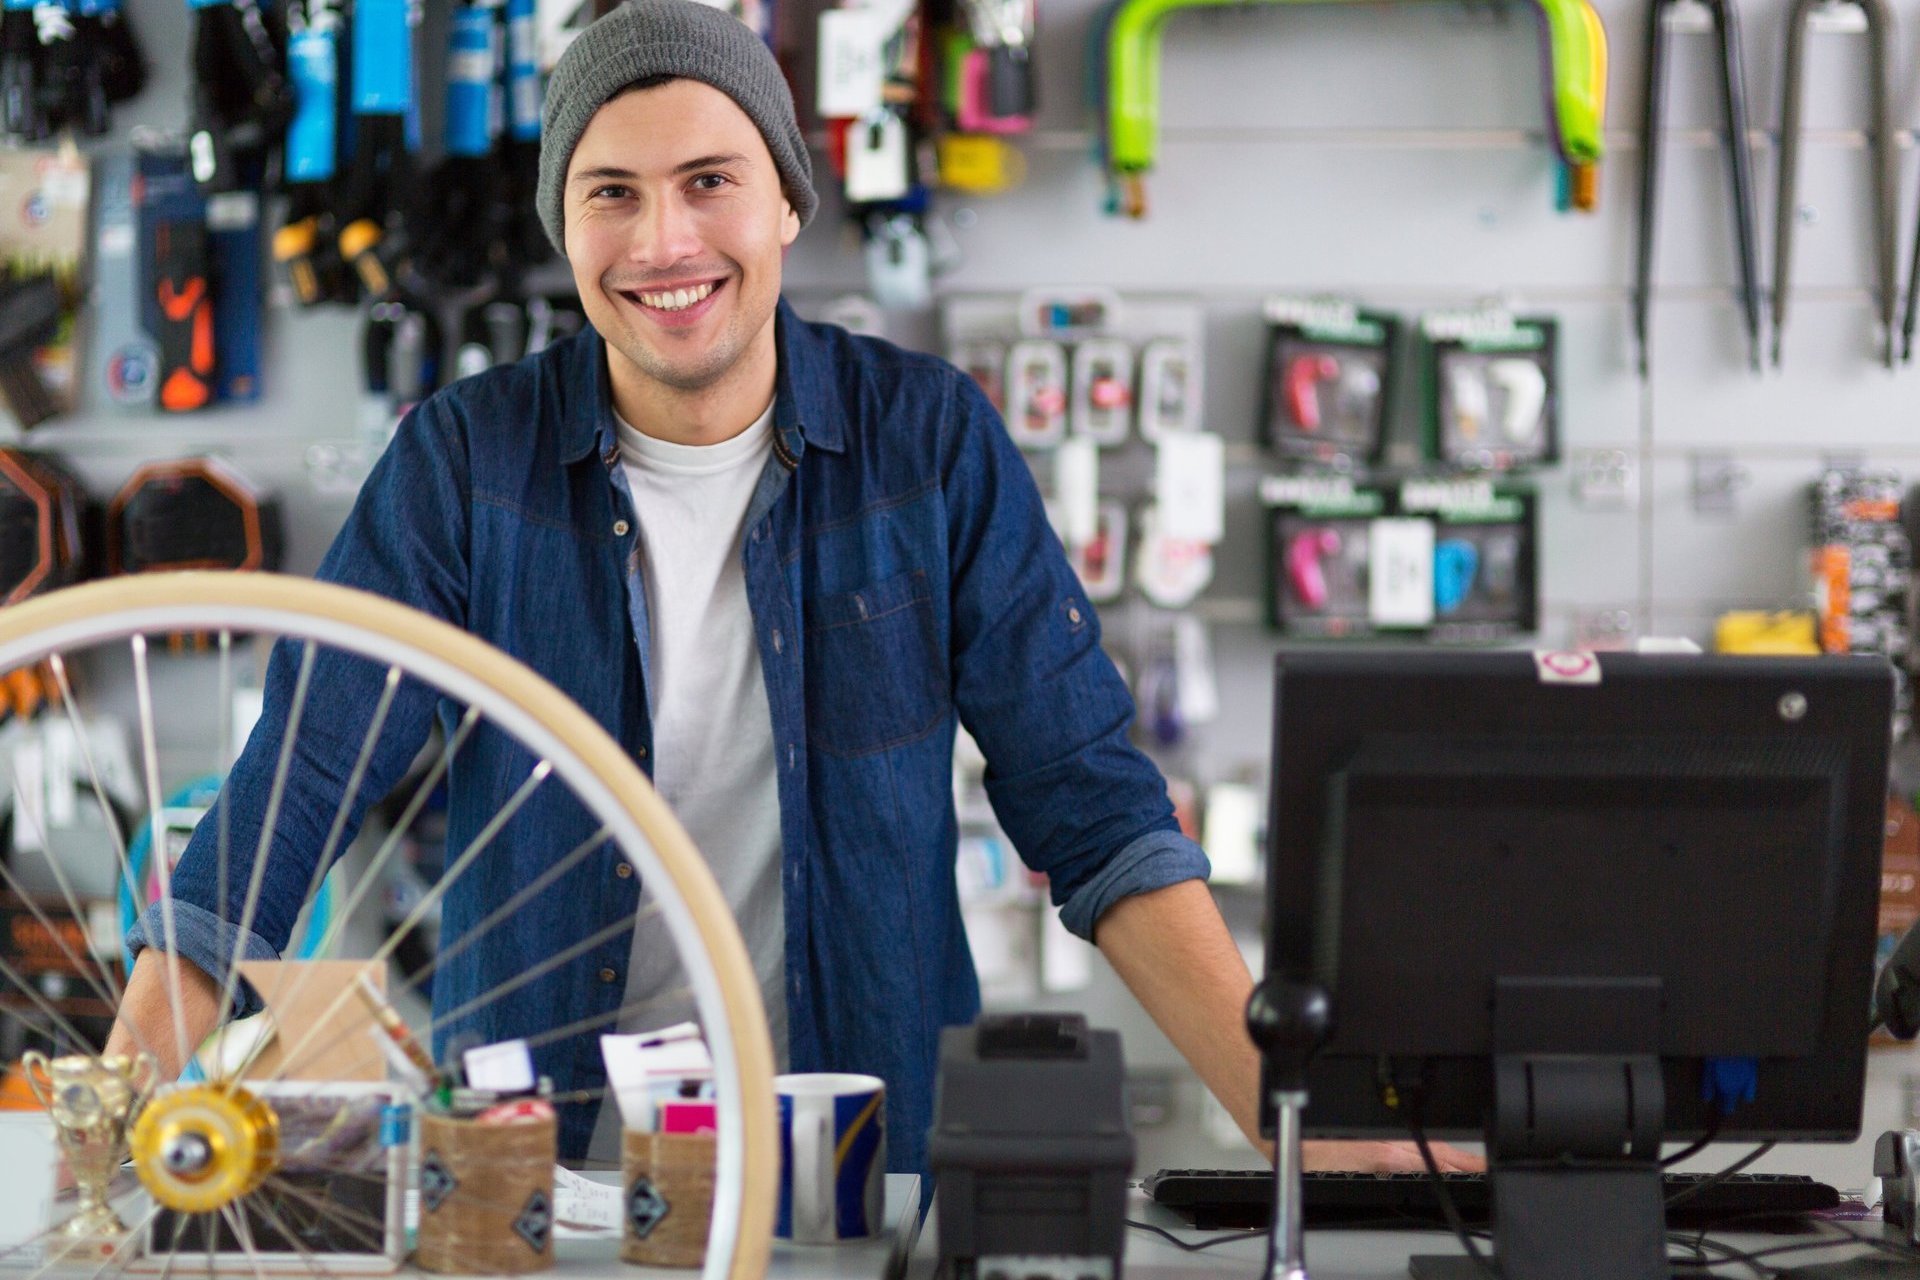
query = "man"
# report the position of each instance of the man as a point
(778, 563)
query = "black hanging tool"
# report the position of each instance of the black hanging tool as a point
(22, 114)
(377, 175)
(1733, 97)
(73, 94)
(242, 99)
(1879, 19)
(29, 315)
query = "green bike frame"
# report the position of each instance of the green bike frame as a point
(1575, 49)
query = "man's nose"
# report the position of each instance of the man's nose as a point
(664, 234)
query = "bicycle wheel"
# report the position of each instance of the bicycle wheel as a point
(123, 618)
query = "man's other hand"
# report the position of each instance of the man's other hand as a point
(145, 1020)
(1386, 1157)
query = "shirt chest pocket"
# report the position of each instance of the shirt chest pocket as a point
(876, 677)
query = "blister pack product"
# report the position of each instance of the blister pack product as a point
(1171, 571)
(1036, 382)
(1101, 561)
(1169, 389)
(1484, 558)
(985, 361)
(1862, 566)
(1329, 370)
(1320, 544)
(1492, 394)
(1101, 408)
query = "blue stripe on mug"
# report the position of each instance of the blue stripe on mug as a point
(859, 1123)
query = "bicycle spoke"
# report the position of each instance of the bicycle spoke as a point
(84, 741)
(80, 1043)
(243, 1236)
(506, 909)
(276, 794)
(84, 969)
(223, 818)
(157, 848)
(320, 867)
(479, 845)
(659, 1000)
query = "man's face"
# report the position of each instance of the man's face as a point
(675, 227)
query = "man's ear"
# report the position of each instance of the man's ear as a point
(789, 222)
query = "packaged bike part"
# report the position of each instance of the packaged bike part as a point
(1102, 399)
(1492, 395)
(985, 361)
(1320, 551)
(1169, 384)
(1036, 409)
(1485, 557)
(1101, 561)
(1862, 565)
(1170, 571)
(1329, 371)
(193, 513)
(43, 541)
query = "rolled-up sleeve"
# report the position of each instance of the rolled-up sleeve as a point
(208, 942)
(1032, 685)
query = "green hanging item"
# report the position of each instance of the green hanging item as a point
(1574, 48)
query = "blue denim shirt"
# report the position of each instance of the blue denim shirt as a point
(902, 576)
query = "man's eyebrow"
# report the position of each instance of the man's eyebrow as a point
(614, 173)
(709, 162)
(601, 174)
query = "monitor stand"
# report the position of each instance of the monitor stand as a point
(1568, 1222)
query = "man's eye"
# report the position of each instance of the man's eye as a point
(711, 181)
(612, 191)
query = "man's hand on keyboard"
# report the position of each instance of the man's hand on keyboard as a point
(1387, 1157)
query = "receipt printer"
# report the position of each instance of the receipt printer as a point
(1031, 1149)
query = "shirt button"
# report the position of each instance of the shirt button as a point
(620, 528)
(760, 533)
(640, 752)
(777, 642)
(608, 975)
(1073, 615)
(624, 870)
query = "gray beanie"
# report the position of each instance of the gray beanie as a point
(641, 39)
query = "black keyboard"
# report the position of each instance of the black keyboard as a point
(1224, 1199)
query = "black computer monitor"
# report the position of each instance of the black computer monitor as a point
(1548, 894)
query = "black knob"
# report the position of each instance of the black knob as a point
(1289, 1021)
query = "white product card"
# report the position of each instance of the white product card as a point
(900, 268)
(878, 166)
(852, 72)
(63, 773)
(584, 1207)
(635, 1063)
(1189, 486)
(1066, 961)
(1076, 490)
(29, 798)
(506, 1067)
(1231, 833)
(26, 1185)
(1198, 690)
(1400, 572)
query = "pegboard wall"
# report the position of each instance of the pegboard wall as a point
(1394, 154)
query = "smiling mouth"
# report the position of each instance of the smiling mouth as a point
(672, 299)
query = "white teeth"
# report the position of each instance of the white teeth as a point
(677, 299)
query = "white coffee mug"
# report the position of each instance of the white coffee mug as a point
(833, 1157)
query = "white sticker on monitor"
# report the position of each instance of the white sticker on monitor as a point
(1567, 667)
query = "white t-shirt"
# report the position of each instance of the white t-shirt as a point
(713, 760)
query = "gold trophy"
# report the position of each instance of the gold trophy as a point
(91, 1100)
